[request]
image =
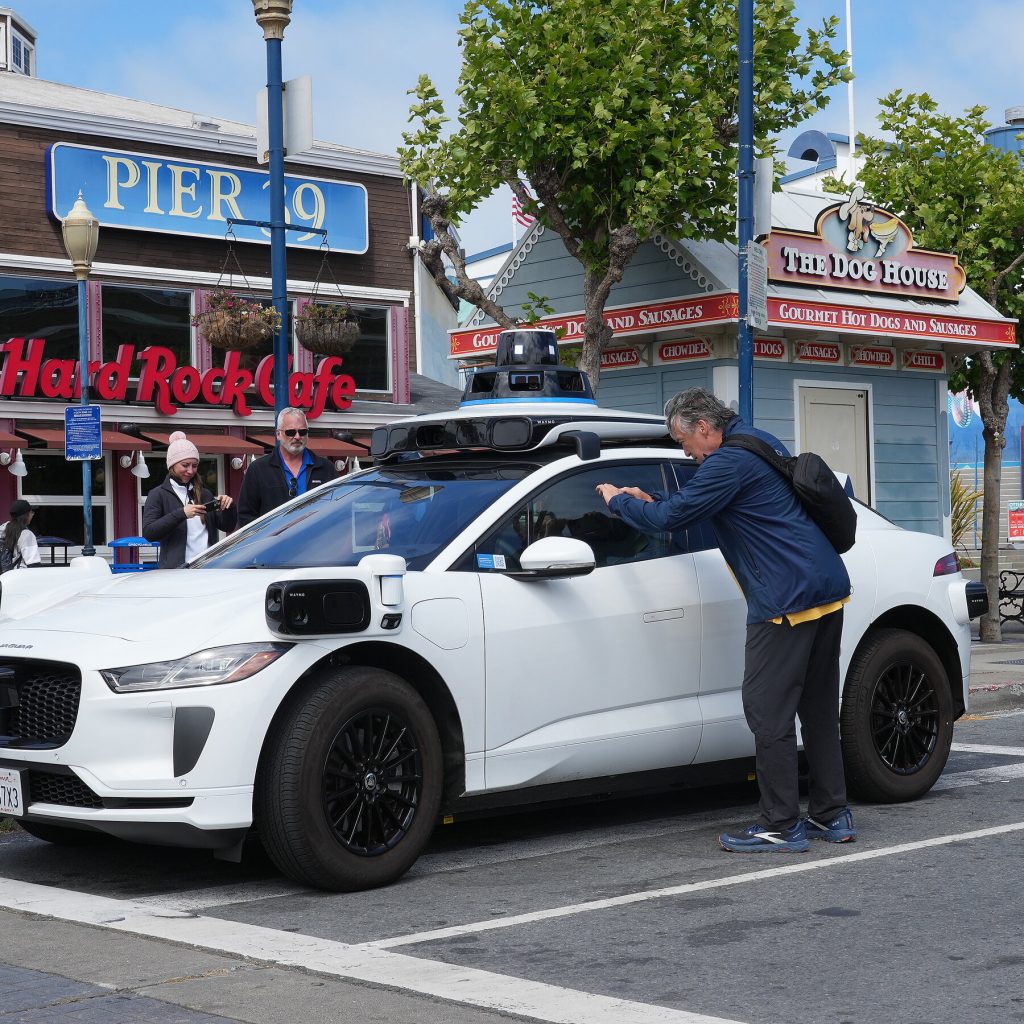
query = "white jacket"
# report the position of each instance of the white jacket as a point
(28, 549)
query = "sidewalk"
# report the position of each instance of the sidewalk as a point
(997, 672)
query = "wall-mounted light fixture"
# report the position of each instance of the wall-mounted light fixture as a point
(14, 462)
(140, 469)
(241, 461)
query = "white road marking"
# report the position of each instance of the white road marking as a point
(371, 962)
(980, 776)
(450, 982)
(984, 748)
(570, 910)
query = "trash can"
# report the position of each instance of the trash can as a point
(128, 554)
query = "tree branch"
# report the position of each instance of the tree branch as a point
(464, 287)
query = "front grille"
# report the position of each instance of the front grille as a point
(67, 790)
(38, 703)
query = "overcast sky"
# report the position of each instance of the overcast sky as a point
(208, 56)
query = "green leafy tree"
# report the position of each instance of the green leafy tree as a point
(958, 194)
(621, 115)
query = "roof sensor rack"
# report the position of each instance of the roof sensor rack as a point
(527, 370)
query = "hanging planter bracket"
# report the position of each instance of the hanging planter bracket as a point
(232, 221)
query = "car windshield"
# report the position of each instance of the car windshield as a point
(410, 511)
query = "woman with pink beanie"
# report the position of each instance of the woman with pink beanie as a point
(179, 514)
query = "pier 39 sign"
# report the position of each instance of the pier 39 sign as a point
(174, 195)
(857, 246)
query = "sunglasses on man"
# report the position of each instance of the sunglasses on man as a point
(295, 433)
(293, 488)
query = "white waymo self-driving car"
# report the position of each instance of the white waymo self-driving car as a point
(463, 624)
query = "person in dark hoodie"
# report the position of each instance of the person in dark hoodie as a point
(795, 587)
(289, 470)
(179, 514)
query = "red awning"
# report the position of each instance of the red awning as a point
(12, 440)
(113, 440)
(328, 447)
(211, 444)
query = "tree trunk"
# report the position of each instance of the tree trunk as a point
(596, 333)
(993, 401)
(991, 630)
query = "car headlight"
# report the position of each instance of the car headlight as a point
(204, 668)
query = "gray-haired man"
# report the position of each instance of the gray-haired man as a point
(795, 586)
(290, 469)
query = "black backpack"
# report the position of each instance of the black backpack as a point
(7, 560)
(820, 493)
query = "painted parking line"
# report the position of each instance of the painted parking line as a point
(534, 917)
(374, 963)
(984, 748)
(448, 982)
(980, 777)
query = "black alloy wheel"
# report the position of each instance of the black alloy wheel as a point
(897, 717)
(372, 781)
(904, 718)
(350, 781)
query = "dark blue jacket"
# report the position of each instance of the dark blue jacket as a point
(782, 561)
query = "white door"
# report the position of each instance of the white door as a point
(596, 675)
(834, 425)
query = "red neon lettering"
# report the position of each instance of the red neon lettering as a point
(158, 364)
(111, 381)
(236, 382)
(16, 364)
(185, 384)
(342, 389)
(59, 379)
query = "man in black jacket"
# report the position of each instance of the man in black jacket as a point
(289, 470)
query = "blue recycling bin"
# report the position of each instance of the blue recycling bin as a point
(128, 554)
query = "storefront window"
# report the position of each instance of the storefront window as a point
(369, 362)
(53, 486)
(40, 308)
(147, 316)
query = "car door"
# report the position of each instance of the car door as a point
(596, 675)
(725, 734)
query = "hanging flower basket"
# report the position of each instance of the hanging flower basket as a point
(327, 329)
(235, 323)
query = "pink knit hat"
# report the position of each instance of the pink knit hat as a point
(180, 448)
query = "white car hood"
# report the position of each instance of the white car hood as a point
(169, 613)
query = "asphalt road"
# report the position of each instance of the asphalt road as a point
(620, 912)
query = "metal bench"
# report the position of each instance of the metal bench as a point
(1011, 596)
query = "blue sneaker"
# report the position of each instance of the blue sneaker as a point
(839, 830)
(760, 839)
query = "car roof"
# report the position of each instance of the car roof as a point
(518, 425)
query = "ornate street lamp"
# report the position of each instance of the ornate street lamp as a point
(81, 236)
(273, 17)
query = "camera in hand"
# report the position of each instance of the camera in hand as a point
(212, 505)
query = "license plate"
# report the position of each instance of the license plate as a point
(10, 792)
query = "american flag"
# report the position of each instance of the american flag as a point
(517, 213)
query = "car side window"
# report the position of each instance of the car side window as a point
(697, 536)
(571, 507)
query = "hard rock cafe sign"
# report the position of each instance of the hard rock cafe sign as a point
(858, 246)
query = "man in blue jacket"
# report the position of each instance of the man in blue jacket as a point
(795, 586)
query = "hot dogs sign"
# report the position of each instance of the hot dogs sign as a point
(858, 246)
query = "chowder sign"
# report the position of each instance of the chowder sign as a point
(855, 245)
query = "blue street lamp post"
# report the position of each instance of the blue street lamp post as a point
(81, 235)
(273, 17)
(746, 201)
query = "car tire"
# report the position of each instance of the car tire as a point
(349, 787)
(897, 717)
(61, 835)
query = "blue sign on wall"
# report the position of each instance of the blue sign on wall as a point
(188, 197)
(83, 434)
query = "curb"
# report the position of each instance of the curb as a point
(995, 697)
